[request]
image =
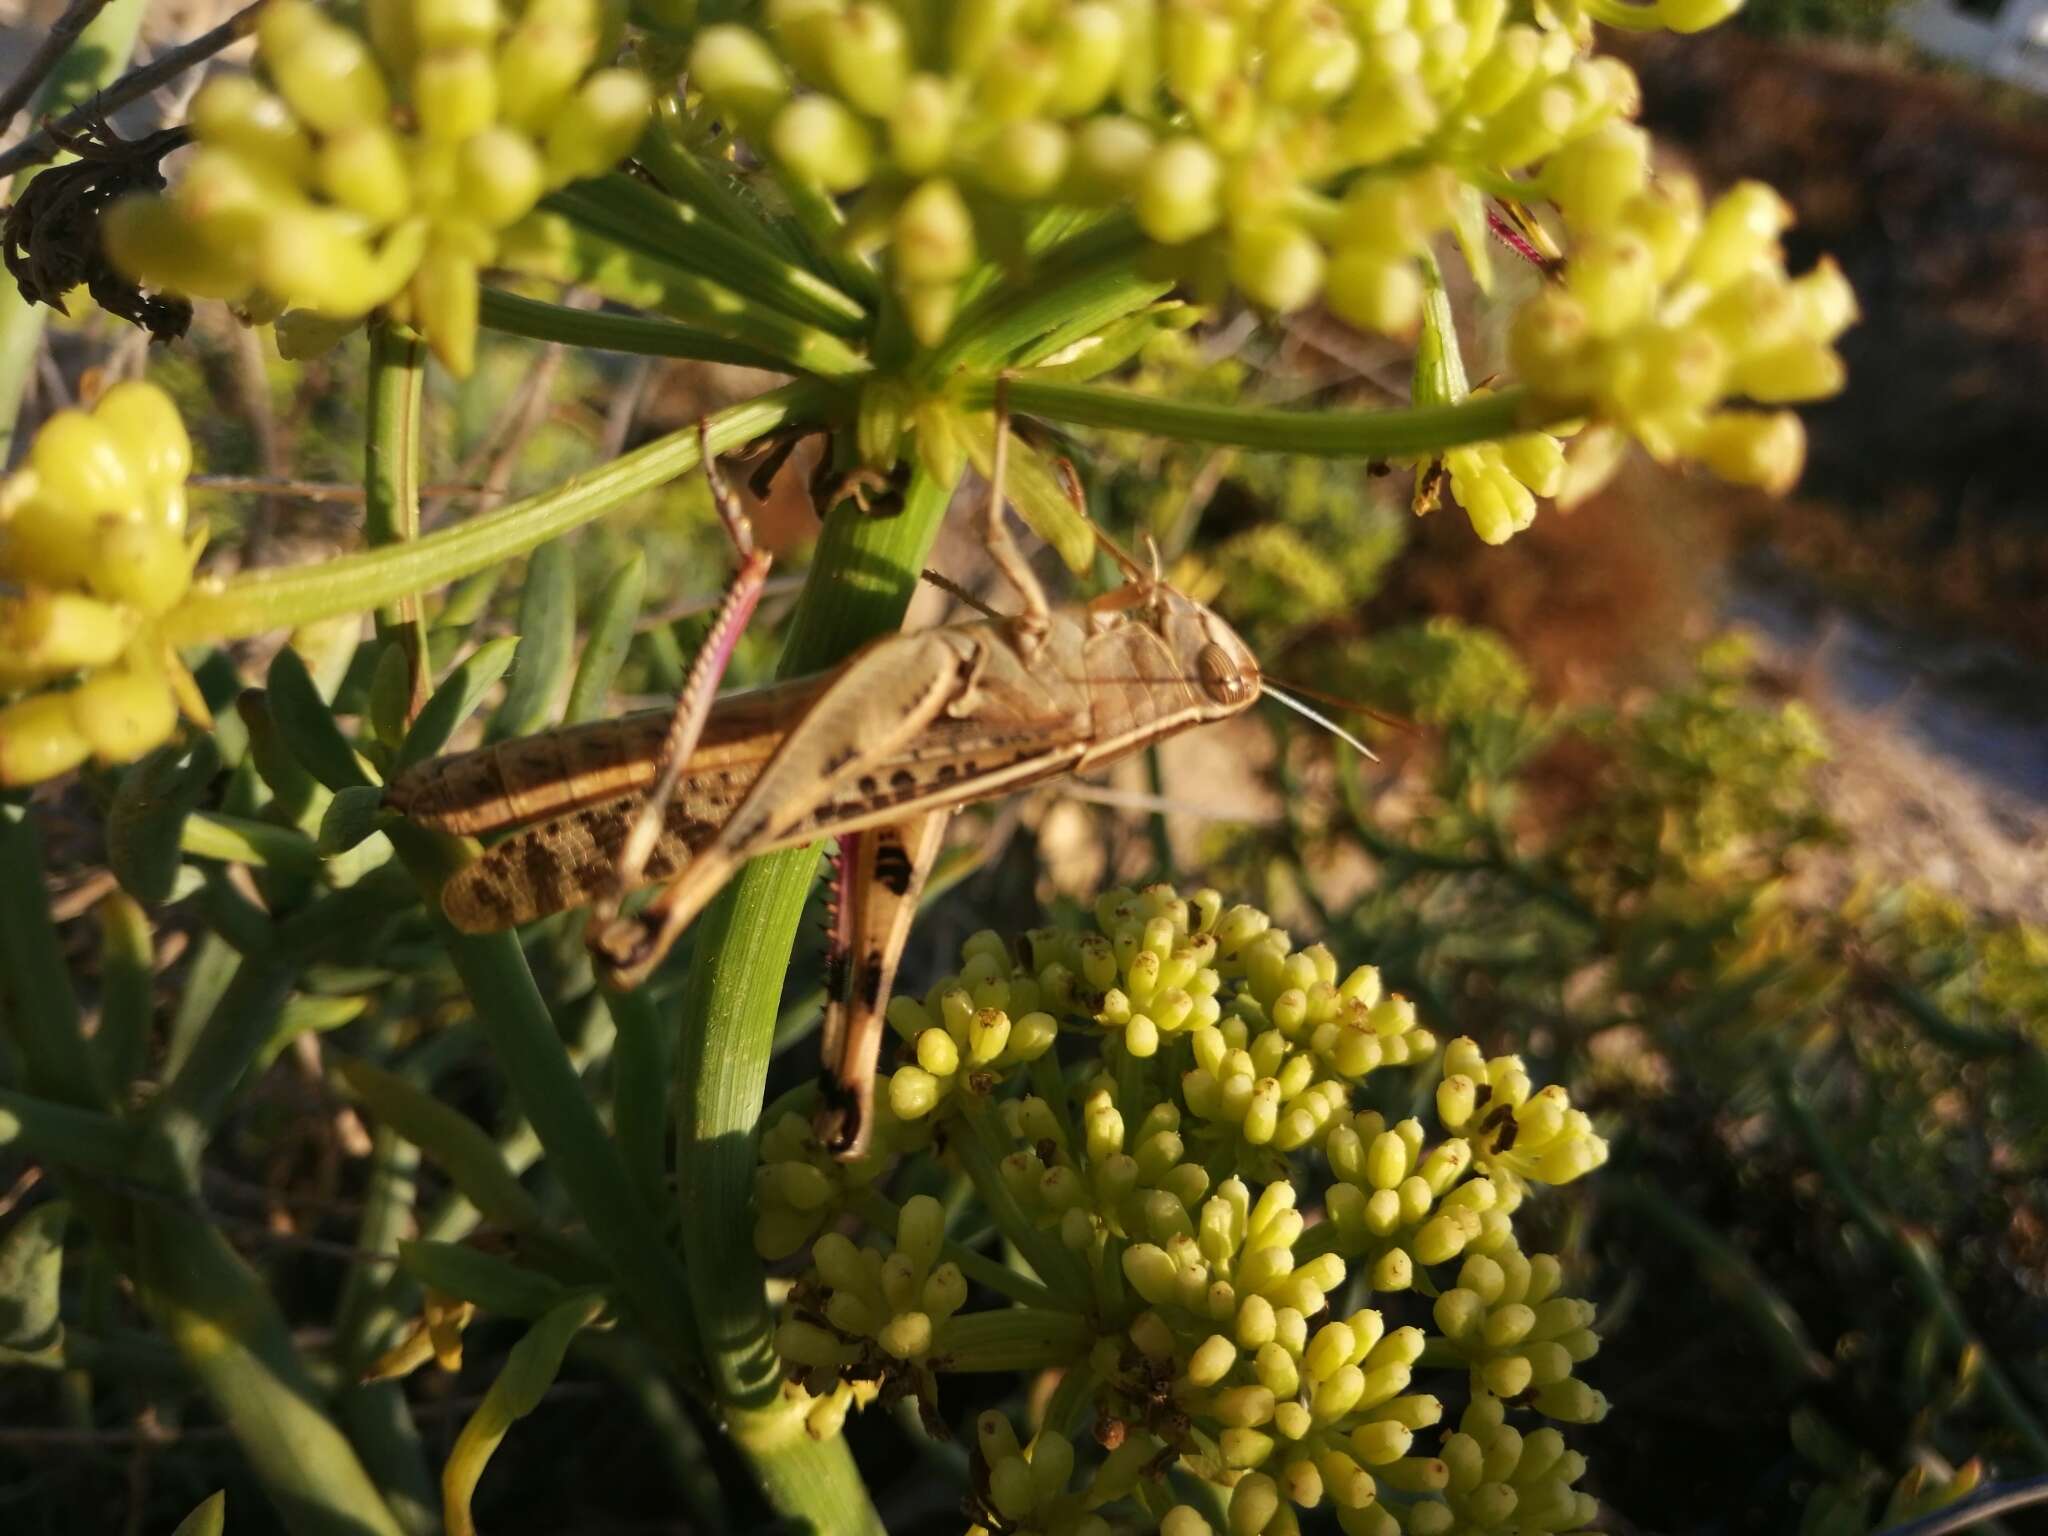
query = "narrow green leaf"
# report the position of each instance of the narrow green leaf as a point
(601, 331)
(31, 1269)
(56, 1133)
(306, 725)
(127, 986)
(611, 633)
(352, 815)
(244, 840)
(147, 819)
(456, 699)
(209, 1518)
(41, 1012)
(471, 598)
(294, 790)
(529, 1371)
(391, 695)
(640, 217)
(547, 642)
(302, 1014)
(494, 1284)
(458, 1144)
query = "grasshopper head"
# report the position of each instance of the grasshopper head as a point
(1220, 664)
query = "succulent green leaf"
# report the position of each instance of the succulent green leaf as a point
(147, 820)
(208, 1518)
(529, 1371)
(456, 699)
(547, 640)
(611, 634)
(458, 1144)
(306, 725)
(494, 1284)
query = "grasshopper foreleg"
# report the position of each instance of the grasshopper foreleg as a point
(1031, 625)
(693, 705)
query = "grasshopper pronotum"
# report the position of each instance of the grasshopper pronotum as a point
(877, 753)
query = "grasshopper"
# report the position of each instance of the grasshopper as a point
(877, 754)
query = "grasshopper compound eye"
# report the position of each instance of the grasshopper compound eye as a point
(1221, 677)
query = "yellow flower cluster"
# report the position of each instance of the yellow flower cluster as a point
(970, 1030)
(872, 1308)
(1026, 1486)
(1670, 306)
(1519, 1134)
(1223, 127)
(799, 1185)
(379, 167)
(1505, 1318)
(93, 534)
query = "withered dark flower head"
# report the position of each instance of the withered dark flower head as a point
(50, 238)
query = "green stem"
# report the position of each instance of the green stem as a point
(58, 1133)
(605, 332)
(1326, 434)
(980, 1154)
(391, 481)
(1728, 1271)
(264, 600)
(860, 582)
(1011, 1339)
(665, 151)
(1921, 1269)
(242, 1024)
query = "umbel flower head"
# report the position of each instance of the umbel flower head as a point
(378, 163)
(1213, 1300)
(94, 540)
(1228, 131)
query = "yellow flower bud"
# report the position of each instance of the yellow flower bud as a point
(325, 70)
(1178, 192)
(867, 50)
(363, 168)
(45, 633)
(1375, 293)
(1277, 265)
(39, 739)
(142, 564)
(455, 93)
(234, 112)
(921, 124)
(124, 713)
(599, 125)
(822, 142)
(1761, 448)
(150, 240)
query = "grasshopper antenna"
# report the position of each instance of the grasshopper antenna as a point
(1323, 720)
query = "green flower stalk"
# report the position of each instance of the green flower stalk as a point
(1210, 1302)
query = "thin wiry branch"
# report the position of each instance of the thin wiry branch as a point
(76, 18)
(43, 145)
